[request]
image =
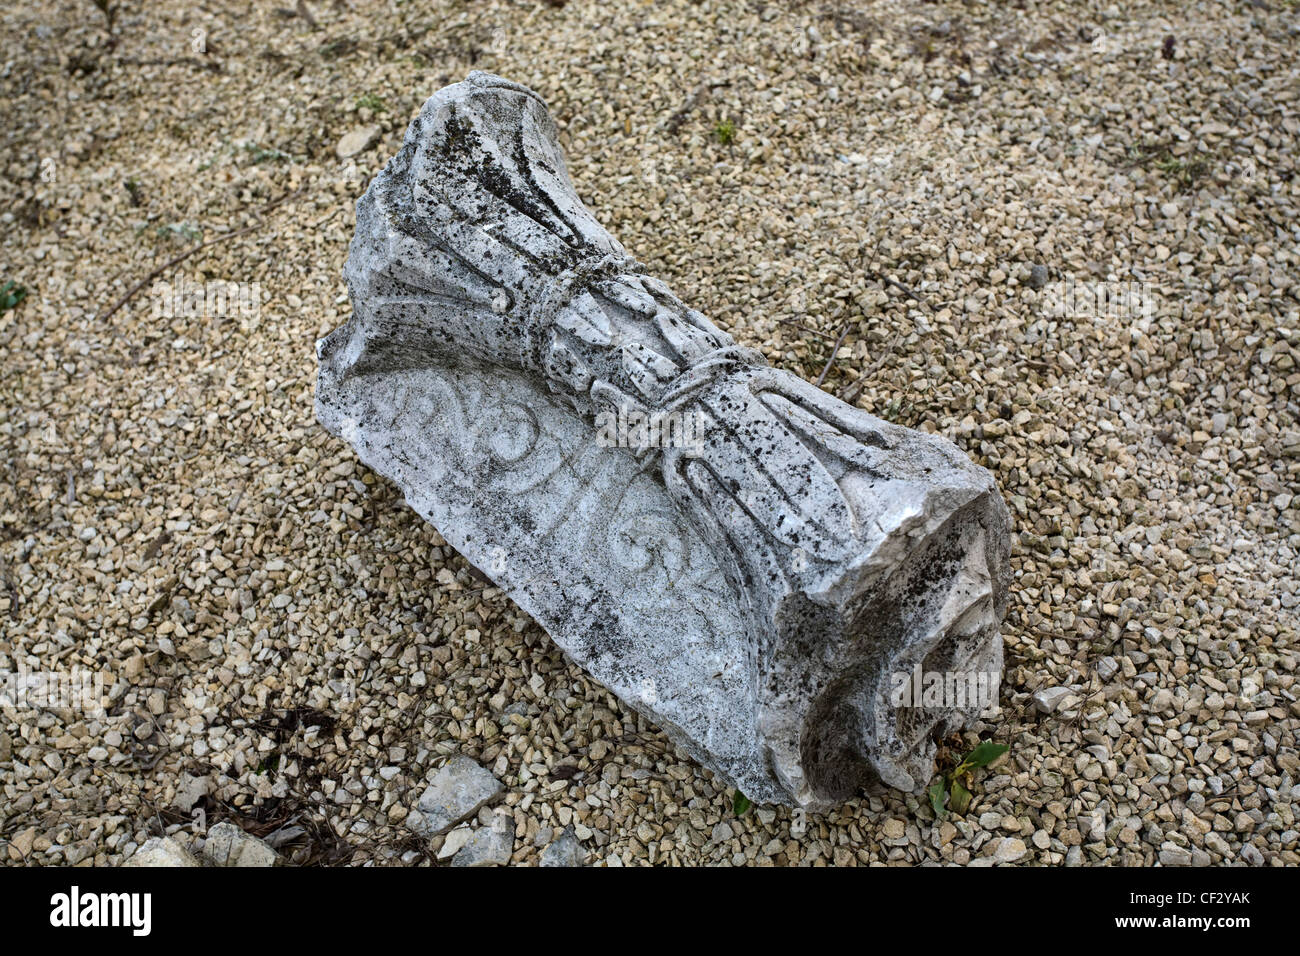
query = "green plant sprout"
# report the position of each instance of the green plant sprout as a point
(955, 784)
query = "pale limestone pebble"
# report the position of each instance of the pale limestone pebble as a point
(456, 792)
(190, 790)
(1173, 855)
(453, 842)
(490, 844)
(1049, 699)
(1251, 856)
(20, 846)
(1009, 850)
(893, 829)
(162, 851)
(357, 141)
(227, 845)
(1107, 668)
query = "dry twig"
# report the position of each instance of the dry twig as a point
(181, 257)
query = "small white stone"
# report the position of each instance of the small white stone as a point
(228, 845)
(1009, 850)
(490, 845)
(456, 792)
(453, 842)
(564, 850)
(1049, 698)
(162, 851)
(357, 141)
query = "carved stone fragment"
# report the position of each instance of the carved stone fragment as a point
(765, 571)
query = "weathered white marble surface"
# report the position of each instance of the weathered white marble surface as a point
(754, 574)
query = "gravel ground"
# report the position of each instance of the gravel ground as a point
(287, 647)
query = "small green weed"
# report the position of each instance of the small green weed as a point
(955, 784)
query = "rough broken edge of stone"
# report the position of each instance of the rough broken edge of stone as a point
(690, 661)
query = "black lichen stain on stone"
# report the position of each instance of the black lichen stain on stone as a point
(599, 622)
(575, 237)
(828, 749)
(462, 148)
(911, 592)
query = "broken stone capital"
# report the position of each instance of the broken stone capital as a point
(760, 568)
